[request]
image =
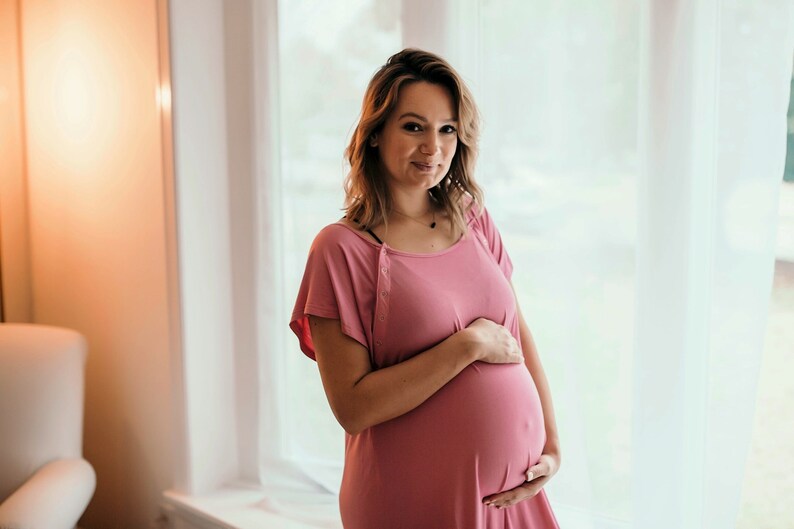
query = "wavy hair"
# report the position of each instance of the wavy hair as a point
(367, 196)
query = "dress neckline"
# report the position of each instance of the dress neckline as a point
(386, 248)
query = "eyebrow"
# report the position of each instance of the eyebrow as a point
(422, 118)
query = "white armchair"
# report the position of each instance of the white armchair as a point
(44, 481)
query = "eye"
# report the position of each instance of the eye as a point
(412, 127)
(449, 129)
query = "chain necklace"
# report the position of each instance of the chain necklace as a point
(432, 224)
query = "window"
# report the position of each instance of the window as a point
(572, 264)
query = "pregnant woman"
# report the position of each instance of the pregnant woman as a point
(407, 307)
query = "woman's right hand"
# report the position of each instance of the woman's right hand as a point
(493, 343)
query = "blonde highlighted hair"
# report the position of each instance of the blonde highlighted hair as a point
(367, 196)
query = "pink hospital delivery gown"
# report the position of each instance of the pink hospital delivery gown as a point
(476, 436)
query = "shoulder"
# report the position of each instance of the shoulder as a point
(473, 211)
(342, 255)
(481, 221)
(338, 239)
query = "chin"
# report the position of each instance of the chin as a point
(441, 178)
(434, 182)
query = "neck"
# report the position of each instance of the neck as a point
(414, 205)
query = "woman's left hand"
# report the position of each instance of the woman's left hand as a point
(537, 476)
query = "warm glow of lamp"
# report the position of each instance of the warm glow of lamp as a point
(74, 101)
(79, 102)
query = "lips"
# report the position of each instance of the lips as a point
(423, 166)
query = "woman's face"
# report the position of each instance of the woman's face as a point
(419, 138)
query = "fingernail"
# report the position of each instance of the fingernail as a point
(530, 476)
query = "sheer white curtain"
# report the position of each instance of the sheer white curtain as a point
(714, 92)
(632, 155)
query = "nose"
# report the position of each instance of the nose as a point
(430, 144)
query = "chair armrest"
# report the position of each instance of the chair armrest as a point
(53, 498)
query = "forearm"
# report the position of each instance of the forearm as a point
(395, 390)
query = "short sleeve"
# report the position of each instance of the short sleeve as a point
(495, 243)
(327, 290)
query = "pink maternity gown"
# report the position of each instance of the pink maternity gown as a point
(431, 467)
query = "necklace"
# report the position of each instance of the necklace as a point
(432, 224)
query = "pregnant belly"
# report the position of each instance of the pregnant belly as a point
(483, 429)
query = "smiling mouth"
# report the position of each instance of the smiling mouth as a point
(423, 166)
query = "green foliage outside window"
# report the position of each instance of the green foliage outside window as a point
(788, 174)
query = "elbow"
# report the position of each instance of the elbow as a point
(353, 411)
(352, 430)
(351, 425)
(350, 421)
